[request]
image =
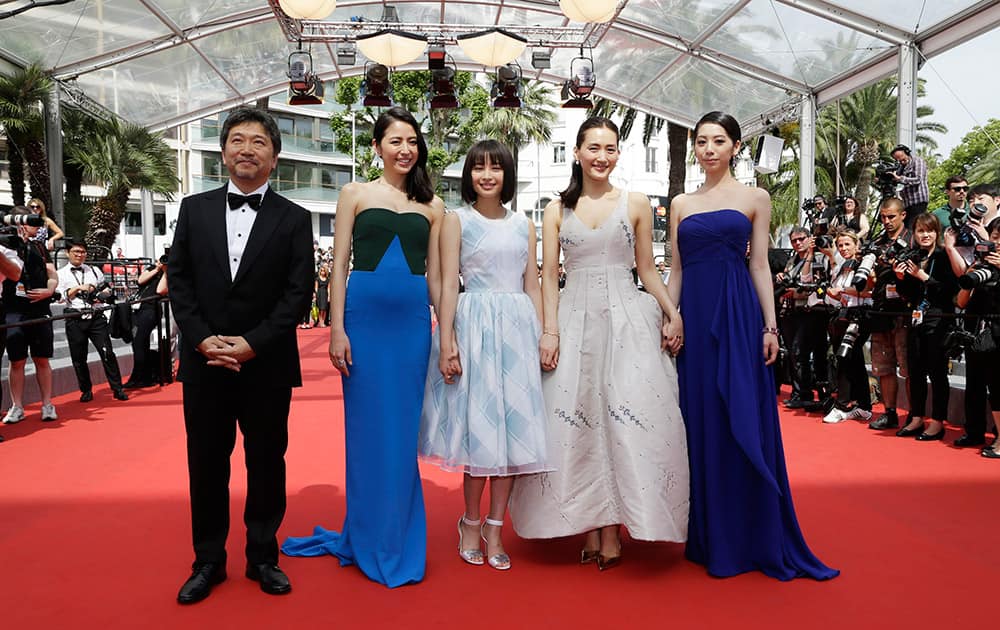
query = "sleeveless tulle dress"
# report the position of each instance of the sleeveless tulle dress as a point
(387, 319)
(491, 420)
(742, 517)
(616, 434)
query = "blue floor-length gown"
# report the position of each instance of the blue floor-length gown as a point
(742, 517)
(387, 320)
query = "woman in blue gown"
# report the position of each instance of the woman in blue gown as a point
(742, 517)
(380, 335)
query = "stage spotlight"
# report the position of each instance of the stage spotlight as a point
(347, 54)
(435, 56)
(578, 88)
(506, 90)
(304, 88)
(541, 60)
(375, 89)
(442, 90)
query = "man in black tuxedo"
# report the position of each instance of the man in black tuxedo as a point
(240, 277)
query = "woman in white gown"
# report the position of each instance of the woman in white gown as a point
(616, 437)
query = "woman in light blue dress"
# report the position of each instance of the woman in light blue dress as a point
(483, 412)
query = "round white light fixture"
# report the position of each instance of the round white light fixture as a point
(308, 9)
(492, 48)
(589, 10)
(391, 47)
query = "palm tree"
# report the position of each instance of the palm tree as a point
(519, 126)
(867, 124)
(21, 97)
(988, 168)
(79, 129)
(122, 156)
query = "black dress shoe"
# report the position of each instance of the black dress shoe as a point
(200, 584)
(272, 579)
(968, 440)
(86, 396)
(883, 422)
(989, 453)
(927, 437)
(120, 394)
(904, 432)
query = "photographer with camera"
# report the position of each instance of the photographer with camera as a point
(980, 297)
(144, 319)
(912, 174)
(801, 288)
(849, 215)
(82, 286)
(24, 299)
(929, 286)
(957, 189)
(848, 335)
(886, 324)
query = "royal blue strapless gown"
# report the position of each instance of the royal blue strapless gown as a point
(742, 517)
(387, 319)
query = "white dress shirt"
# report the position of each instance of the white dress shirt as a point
(13, 257)
(239, 222)
(70, 277)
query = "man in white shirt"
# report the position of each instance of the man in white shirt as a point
(79, 284)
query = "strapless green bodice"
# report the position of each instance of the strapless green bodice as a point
(376, 228)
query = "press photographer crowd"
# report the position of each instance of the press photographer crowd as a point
(93, 311)
(921, 286)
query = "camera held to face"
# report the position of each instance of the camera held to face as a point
(959, 220)
(885, 180)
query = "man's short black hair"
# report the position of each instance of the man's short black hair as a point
(244, 114)
(954, 179)
(985, 189)
(76, 242)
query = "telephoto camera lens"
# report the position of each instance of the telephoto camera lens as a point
(979, 275)
(847, 343)
(864, 271)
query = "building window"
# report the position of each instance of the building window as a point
(651, 159)
(326, 224)
(559, 153)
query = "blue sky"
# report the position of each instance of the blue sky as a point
(970, 72)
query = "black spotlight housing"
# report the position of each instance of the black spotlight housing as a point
(442, 93)
(580, 85)
(506, 90)
(304, 88)
(375, 89)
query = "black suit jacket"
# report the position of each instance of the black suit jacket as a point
(263, 303)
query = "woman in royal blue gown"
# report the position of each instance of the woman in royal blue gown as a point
(380, 334)
(742, 518)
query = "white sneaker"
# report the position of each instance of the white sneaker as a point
(858, 414)
(835, 416)
(49, 412)
(14, 415)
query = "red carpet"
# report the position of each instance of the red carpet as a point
(94, 533)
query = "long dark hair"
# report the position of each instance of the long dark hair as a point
(728, 123)
(571, 195)
(418, 182)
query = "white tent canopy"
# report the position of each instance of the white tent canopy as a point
(163, 62)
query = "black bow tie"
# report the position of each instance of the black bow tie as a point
(235, 201)
(76, 268)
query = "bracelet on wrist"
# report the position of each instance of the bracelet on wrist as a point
(551, 334)
(772, 330)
